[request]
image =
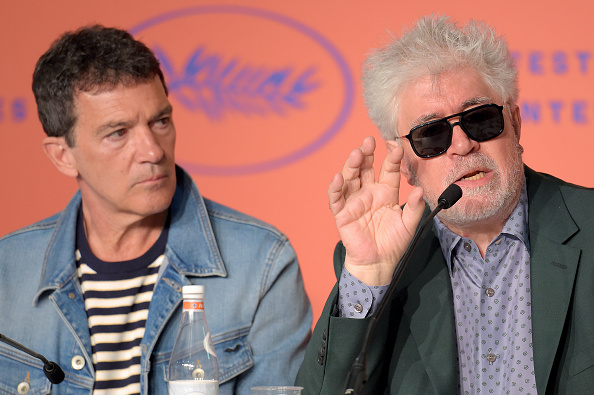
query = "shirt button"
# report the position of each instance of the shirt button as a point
(467, 246)
(491, 357)
(23, 388)
(358, 308)
(489, 292)
(78, 362)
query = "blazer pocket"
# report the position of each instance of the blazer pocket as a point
(20, 373)
(581, 361)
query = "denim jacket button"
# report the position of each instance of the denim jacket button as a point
(23, 387)
(78, 362)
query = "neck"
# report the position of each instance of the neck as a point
(123, 238)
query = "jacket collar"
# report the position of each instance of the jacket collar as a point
(548, 214)
(191, 247)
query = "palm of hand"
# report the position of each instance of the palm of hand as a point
(373, 228)
(370, 226)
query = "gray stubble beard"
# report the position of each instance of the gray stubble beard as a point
(503, 198)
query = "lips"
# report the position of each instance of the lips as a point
(153, 179)
(474, 168)
(475, 175)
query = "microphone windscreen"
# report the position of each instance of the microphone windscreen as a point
(450, 196)
(54, 373)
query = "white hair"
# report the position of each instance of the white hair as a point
(434, 45)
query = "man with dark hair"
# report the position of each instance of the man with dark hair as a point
(97, 287)
(85, 61)
(498, 295)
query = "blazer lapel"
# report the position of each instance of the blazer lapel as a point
(552, 270)
(429, 309)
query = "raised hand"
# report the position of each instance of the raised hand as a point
(373, 228)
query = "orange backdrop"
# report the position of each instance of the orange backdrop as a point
(268, 102)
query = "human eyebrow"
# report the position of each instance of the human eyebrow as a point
(423, 119)
(122, 124)
(475, 101)
(464, 106)
(112, 125)
(167, 111)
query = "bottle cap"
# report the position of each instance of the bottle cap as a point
(193, 291)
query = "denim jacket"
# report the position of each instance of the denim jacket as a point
(256, 306)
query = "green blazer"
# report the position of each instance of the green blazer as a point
(413, 348)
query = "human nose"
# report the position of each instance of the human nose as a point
(148, 147)
(461, 143)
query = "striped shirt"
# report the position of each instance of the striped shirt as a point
(117, 297)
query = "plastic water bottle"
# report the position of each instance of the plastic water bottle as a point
(193, 367)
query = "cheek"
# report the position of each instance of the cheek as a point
(168, 143)
(432, 168)
(510, 153)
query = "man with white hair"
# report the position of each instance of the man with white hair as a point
(498, 295)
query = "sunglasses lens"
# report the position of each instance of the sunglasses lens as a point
(432, 139)
(483, 123)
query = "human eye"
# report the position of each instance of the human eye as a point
(164, 121)
(117, 134)
(162, 124)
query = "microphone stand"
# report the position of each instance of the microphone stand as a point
(357, 376)
(52, 370)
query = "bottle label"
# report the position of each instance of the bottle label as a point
(193, 305)
(194, 387)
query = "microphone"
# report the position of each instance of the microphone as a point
(358, 375)
(52, 370)
(448, 198)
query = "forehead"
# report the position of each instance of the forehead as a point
(447, 93)
(123, 98)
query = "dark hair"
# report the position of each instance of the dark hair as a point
(90, 58)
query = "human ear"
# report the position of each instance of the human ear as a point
(516, 119)
(60, 154)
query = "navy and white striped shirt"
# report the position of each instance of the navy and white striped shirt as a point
(117, 297)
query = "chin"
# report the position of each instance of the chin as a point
(156, 203)
(472, 210)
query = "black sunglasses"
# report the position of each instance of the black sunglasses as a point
(433, 138)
